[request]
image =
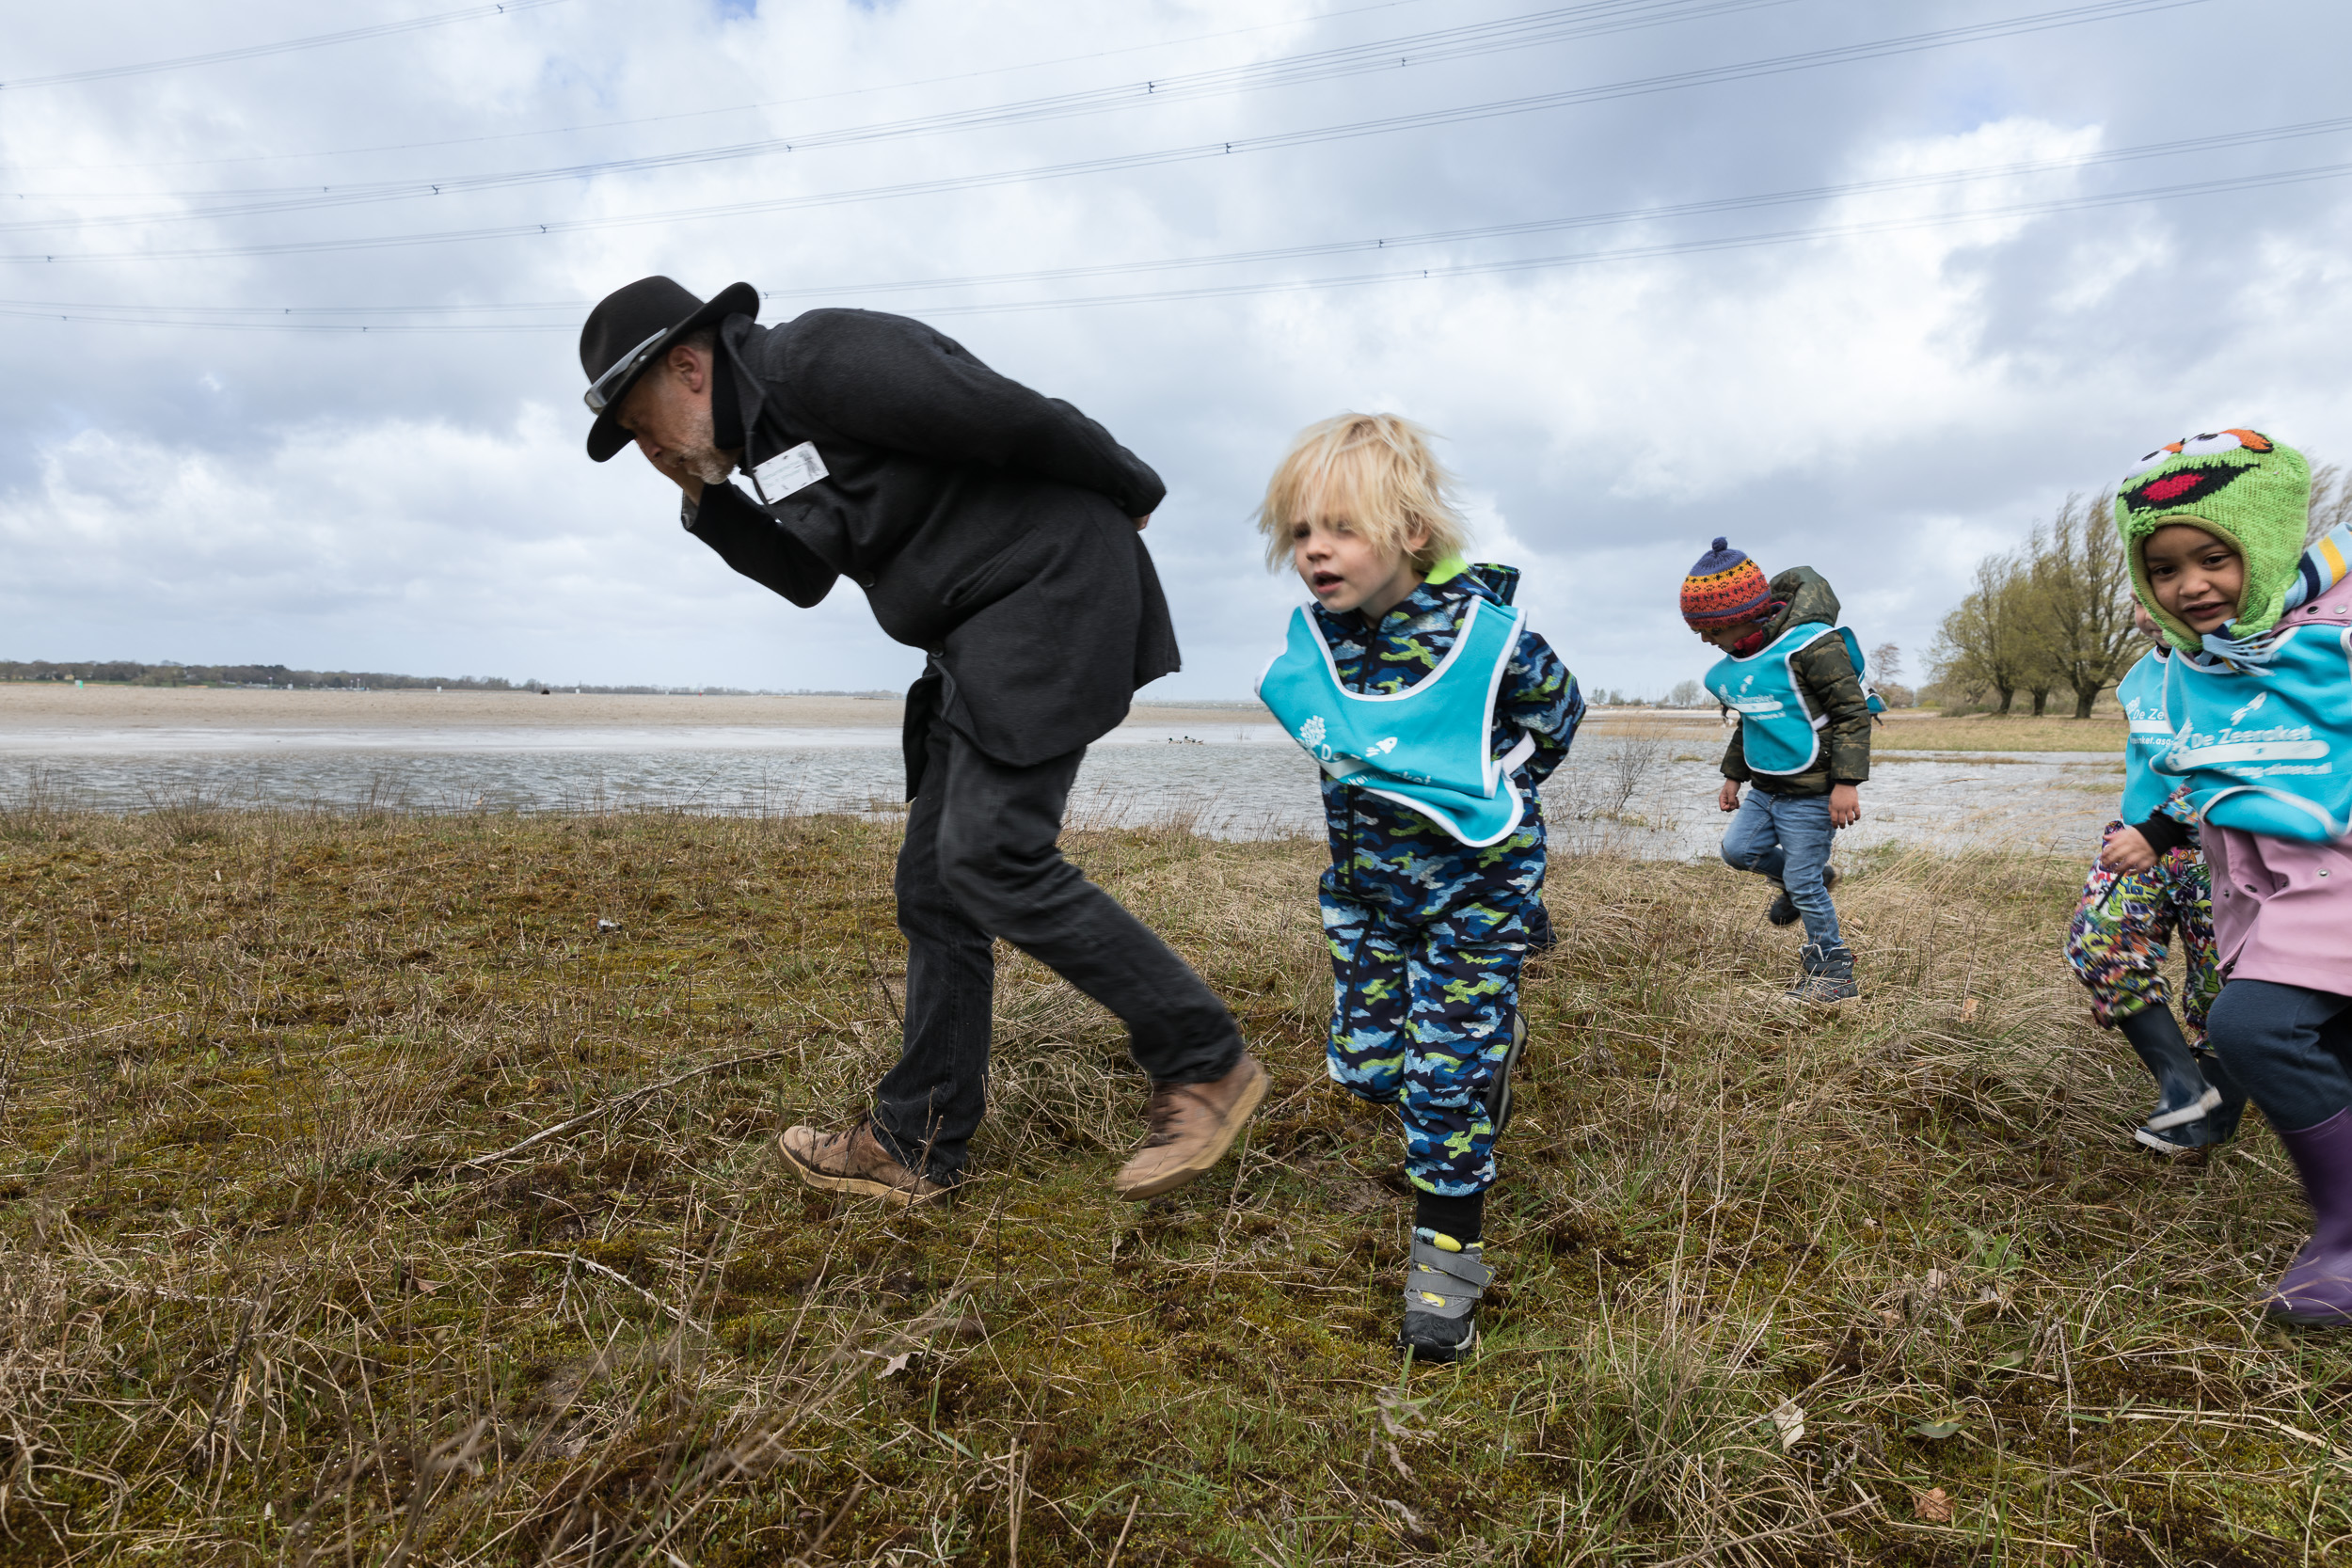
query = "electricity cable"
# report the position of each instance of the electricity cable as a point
(1925, 181)
(158, 316)
(706, 114)
(1671, 249)
(1590, 19)
(2070, 16)
(287, 46)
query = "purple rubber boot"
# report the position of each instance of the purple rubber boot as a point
(2317, 1285)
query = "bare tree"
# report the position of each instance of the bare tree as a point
(2083, 599)
(2057, 614)
(1992, 641)
(2331, 502)
(1886, 664)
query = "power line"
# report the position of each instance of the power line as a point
(1671, 249)
(1811, 59)
(1593, 221)
(1593, 18)
(2257, 136)
(187, 317)
(706, 114)
(286, 46)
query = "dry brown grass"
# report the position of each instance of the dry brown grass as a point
(263, 1299)
(1903, 729)
(1924, 730)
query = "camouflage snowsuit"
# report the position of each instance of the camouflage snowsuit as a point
(2125, 922)
(1427, 935)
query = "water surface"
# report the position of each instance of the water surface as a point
(1647, 796)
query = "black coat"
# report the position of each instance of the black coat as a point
(990, 526)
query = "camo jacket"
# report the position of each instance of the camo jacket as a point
(1827, 681)
(1396, 859)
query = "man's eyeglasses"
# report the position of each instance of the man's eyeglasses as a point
(599, 394)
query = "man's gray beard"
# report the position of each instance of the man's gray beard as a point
(701, 457)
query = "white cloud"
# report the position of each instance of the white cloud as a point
(1883, 405)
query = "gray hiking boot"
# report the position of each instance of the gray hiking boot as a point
(1443, 1280)
(1828, 978)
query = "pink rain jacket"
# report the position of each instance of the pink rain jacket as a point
(2282, 909)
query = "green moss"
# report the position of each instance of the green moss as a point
(254, 1298)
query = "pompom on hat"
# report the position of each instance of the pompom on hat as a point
(1723, 588)
(2242, 488)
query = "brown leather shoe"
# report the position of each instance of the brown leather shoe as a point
(854, 1162)
(1192, 1126)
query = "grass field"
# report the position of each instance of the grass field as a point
(365, 1199)
(1916, 729)
(1907, 729)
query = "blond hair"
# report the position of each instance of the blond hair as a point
(1377, 473)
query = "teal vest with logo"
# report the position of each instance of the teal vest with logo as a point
(1778, 732)
(2267, 748)
(1425, 747)
(2140, 695)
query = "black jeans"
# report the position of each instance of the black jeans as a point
(2291, 1047)
(981, 861)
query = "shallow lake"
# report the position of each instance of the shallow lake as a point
(1646, 795)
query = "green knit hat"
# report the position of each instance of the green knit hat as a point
(2238, 485)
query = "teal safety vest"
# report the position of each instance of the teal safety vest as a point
(2140, 695)
(1779, 732)
(2267, 748)
(1425, 747)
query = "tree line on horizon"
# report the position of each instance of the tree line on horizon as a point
(2053, 617)
(126, 671)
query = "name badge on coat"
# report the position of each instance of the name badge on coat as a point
(787, 472)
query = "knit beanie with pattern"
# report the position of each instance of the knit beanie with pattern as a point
(2242, 488)
(1723, 588)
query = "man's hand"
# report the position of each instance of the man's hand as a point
(1143, 522)
(1845, 806)
(2128, 851)
(1727, 797)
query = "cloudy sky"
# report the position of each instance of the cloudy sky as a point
(1863, 285)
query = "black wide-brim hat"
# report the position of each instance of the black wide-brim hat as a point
(627, 333)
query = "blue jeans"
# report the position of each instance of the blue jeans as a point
(1786, 838)
(2291, 1047)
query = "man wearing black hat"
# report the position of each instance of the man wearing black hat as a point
(996, 530)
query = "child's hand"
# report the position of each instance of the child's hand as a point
(1727, 797)
(1845, 806)
(2128, 851)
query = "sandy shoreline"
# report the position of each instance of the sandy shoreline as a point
(54, 705)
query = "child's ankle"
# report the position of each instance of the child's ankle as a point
(1459, 1219)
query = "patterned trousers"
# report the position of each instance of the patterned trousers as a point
(2123, 925)
(1421, 1020)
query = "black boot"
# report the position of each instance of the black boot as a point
(2217, 1126)
(1784, 909)
(2222, 1118)
(2182, 1096)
